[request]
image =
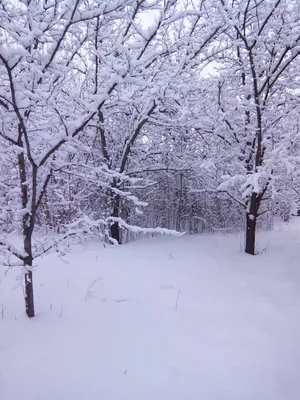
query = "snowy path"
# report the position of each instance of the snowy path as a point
(234, 336)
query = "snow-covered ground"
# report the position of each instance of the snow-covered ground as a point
(187, 318)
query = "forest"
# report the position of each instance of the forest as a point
(149, 199)
(126, 118)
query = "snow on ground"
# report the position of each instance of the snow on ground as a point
(233, 335)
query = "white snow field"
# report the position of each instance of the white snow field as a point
(234, 333)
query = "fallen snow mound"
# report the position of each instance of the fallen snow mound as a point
(187, 318)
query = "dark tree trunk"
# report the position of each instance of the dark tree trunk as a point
(251, 218)
(29, 299)
(28, 220)
(115, 227)
(115, 232)
(250, 234)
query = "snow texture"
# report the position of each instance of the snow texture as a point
(177, 318)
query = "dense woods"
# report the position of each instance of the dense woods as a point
(140, 117)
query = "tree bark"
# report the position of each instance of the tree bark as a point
(115, 227)
(251, 218)
(29, 299)
(27, 226)
(250, 234)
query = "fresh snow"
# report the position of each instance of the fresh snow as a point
(188, 317)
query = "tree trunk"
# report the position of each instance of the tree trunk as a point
(28, 221)
(115, 232)
(251, 218)
(29, 299)
(115, 227)
(250, 234)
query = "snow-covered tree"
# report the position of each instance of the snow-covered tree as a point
(257, 77)
(68, 69)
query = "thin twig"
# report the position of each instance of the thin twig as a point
(177, 299)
